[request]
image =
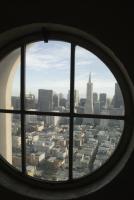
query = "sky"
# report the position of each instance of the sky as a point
(48, 67)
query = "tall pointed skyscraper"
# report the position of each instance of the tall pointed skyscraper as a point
(89, 97)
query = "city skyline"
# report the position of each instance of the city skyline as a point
(47, 137)
(48, 101)
(48, 67)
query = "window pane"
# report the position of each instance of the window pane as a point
(47, 147)
(10, 81)
(94, 142)
(10, 138)
(48, 76)
(96, 89)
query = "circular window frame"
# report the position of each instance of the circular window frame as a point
(92, 182)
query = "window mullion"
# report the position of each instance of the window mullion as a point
(23, 142)
(100, 116)
(72, 74)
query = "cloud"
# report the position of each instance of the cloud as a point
(48, 67)
(48, 56)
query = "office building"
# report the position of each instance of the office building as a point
(117, 99)
(45, 100)
(89, 97)
(55, 101)
(103, 100)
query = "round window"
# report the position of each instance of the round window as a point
(64, 114)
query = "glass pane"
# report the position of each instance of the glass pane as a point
(47, 147)
(10, 81)
(48, 76)
(94, 142)
(96, 89)
(10, 138)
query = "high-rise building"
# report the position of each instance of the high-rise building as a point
(30, 101)
(55, 101)
(76, 98)
(88, 108)
(89, 97)
(97, 107)
(117, 99)
(81, 106)
(103, 100)
(95, 97)
(45, 100)
(63, 102)
(82, 102)
(96, 104)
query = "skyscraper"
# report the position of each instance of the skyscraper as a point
(96, 104)
(63, 102)
(55, 101)
(82, 102)
(89, 97)
(76, 98)
(45, 100)
(95, 97)
(88, 109)
(30, 101)
(118, 99)
(103, 100)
